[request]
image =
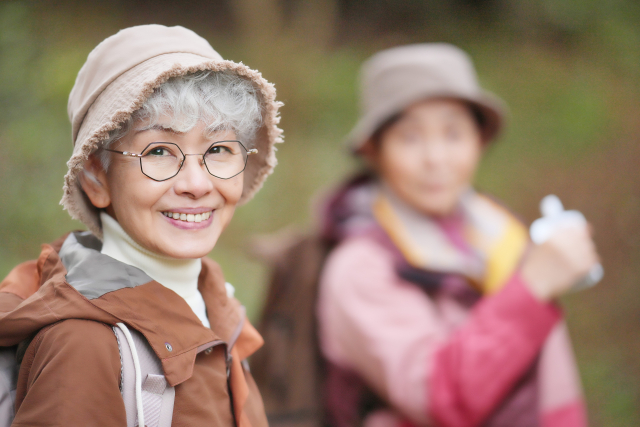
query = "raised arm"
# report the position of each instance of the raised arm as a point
(410, 350)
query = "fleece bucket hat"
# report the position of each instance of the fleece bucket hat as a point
(122, 72)
(396, 78)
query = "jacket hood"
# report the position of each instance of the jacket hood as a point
(72, 280)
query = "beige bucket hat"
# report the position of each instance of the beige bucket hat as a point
(122, 72)
(396, 78)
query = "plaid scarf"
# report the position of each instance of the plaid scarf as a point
(481, 241)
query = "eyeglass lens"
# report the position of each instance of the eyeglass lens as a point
(163, 160)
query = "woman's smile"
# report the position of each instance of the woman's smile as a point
(190, 218)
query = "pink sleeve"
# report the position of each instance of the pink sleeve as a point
(482, 361)
(570, 415)
(383, 329)
(561, 401)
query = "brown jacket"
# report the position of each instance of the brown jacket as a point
(66, 303)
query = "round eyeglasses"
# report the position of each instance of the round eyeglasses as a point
(161, 161)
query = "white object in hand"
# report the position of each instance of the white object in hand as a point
(554, 218)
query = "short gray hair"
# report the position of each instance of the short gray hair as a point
(221, 100)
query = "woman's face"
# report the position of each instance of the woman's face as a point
(145, 208)
(429, 156)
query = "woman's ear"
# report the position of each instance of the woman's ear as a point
(93, 180)
(370, 153)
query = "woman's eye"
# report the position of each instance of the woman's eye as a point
(220, 149)
(410, 136)
(159, 151)
(453, 135)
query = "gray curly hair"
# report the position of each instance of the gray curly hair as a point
(222, 100)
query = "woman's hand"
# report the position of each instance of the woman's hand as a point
(553, 267)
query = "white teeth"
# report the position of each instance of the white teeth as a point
(188, 217)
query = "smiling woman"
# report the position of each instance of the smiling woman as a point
(139, 191)
(131, 318)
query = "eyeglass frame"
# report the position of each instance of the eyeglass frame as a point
(184, 157)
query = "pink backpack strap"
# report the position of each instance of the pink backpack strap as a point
(144, 389)
(8, 381)
(146, 393)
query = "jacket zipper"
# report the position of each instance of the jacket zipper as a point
(228, 357)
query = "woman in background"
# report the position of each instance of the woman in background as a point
(434, 308)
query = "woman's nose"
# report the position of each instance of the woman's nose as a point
(193, 180)
(433, 153)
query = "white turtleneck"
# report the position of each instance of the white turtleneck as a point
(179, 275)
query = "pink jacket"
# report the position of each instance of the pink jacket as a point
(435, 361)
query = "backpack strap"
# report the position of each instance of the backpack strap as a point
(290, 370)
(147, 395)
(8, 382)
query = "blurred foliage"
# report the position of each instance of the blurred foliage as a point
(569, 70)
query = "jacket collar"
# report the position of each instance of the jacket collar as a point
(77, 281)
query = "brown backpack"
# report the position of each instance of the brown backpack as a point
(289, 368)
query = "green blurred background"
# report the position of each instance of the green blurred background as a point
(569, 70)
